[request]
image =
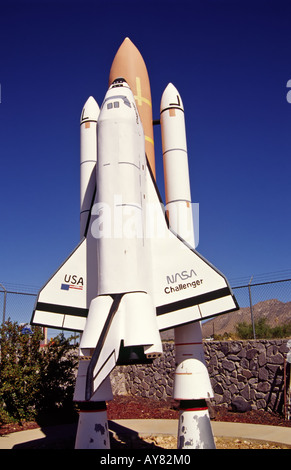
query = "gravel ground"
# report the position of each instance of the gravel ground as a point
(170, 442)
(124, 407)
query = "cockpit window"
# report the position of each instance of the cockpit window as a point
(115, 104)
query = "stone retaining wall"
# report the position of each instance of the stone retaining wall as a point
(244, 374)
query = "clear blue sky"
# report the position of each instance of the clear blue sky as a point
(230, 61)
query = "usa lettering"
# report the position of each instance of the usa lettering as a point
(73, 279)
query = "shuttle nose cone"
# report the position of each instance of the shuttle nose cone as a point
(171, 99)
(90, 111)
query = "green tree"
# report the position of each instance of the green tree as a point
(244, 330)
(57, 376)
(263, 330)
(33, 379)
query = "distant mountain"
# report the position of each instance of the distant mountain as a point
(275, 312)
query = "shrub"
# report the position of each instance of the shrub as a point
(33, 379)
(57, 376)
(263, 330)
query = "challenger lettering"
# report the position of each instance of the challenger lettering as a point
(193, 284)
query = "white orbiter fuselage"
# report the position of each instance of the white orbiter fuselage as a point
(131, 276)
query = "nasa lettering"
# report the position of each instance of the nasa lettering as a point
(181, 276)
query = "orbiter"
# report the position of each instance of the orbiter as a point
(132, 275)
(141, 278)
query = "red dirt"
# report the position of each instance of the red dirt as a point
(125, 407)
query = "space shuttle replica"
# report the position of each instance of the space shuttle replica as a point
(135, 272)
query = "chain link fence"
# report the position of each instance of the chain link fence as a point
(253, 293)
(18, 306)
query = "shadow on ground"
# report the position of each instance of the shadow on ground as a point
(63, 437)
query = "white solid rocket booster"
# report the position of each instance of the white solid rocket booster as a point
(192, 383)
(179, 208)
(176, 171)
(92, 432)
(88, 158)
